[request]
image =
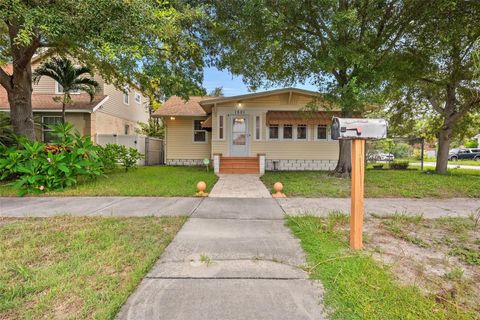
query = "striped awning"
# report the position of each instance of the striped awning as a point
(301, 117)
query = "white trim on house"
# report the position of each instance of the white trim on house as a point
(193, 132)
(57, 89)
(100, 104)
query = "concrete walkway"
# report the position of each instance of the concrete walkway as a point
(430, 208)
(158, 206)
(239, 186)
(233, 259)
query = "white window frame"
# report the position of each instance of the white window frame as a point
(126, 94)
(138, 98)
(46, 129)
(316, 132)
(295, 135)
(199, 130)
(221, 127)
(58, 91)
(294, 129)
(279, 133)
(258, 125)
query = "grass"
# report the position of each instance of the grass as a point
(379, 183)
(76, 267)
(357, 287)
(142, 181)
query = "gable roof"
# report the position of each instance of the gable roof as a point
(176, 106)
(258, 95)
(45, 102)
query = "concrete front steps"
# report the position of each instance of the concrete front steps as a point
(238, 165)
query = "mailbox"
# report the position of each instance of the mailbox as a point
(351, 128)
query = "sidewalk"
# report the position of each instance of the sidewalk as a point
(239, 186)
(233, 259)
(164, 206)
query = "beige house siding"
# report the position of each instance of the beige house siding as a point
(179, 143)
(311, 149)
(81, 122)
(109, 124)
(115, 106)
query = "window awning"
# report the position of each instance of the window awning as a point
(207, 123)
(301, 117)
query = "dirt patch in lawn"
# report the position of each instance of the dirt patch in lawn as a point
(439, 256)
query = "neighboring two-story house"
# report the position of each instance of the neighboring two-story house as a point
(112, 111)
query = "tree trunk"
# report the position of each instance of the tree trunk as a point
(444, 137)
(344, 164)
(20, 100)
(63, 111)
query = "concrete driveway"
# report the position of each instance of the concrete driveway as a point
(234, 259)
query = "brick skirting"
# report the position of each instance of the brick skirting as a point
(293, 165)
(185, 162)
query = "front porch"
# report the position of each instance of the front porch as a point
(239, 165)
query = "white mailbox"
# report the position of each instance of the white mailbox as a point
(351, 128)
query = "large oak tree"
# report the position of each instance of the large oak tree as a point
(342, 46)
(146, 42)
(439, 79)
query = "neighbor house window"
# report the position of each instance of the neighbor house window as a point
(46, 131)
(199, 134)
(287, 131)
(126, 96)
(257, 128)
(273, 131)
(322, 132)
(301, 132)
(220, 127)
(59, 89)
(138, 98)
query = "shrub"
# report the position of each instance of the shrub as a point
(399, 165)
(37, 167)
(7, 137)
(113, 154)
(471, 144)
(401, 150)
(378, 166)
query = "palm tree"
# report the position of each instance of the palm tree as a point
(69, 77)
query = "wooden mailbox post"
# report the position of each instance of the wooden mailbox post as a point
(358, 130)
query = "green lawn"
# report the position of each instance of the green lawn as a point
(142, 181)
(379, 183)
(76, 267)
(357, 287)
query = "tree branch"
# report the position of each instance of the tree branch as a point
(435, 104)
(5, 80)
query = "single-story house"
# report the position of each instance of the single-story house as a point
(250, 133)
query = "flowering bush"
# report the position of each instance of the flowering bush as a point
(36, 167)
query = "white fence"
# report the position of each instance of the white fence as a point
(151, 148)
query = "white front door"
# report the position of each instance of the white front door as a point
(239, 136)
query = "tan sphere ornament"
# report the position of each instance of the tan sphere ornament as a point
(201, 186)
(278, 187)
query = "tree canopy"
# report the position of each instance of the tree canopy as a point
(150, 43)
(343, 47)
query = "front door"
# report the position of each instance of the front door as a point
(239, 136)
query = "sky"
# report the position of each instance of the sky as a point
(233, 86)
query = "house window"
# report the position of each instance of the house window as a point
(127, 129)
(199, 134)
(46, 130)
(287, 131)
(59, 89)
(220, 127)
(257, 128)
(301, 132)
(322, 132)
(126, 96)
(273, 132)
(138, 98)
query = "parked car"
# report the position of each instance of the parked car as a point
(380, 156)
(464, 154)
